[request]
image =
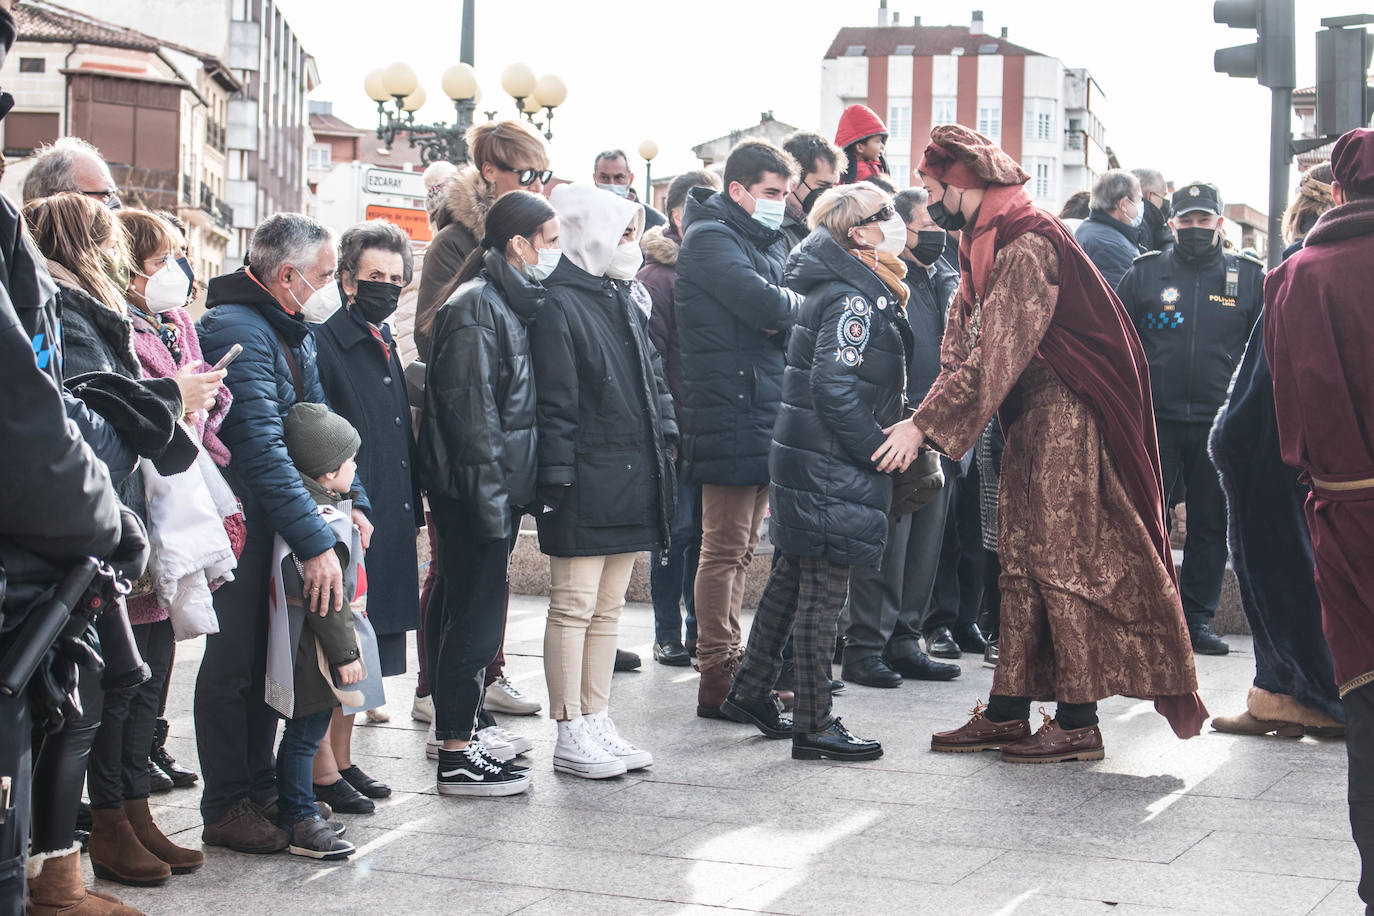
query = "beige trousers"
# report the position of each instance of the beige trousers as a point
(730, 521)
(586, 596)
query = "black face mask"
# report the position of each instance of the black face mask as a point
(1196, 242)
(942, 216)
(930, 245)
(376, 300)
(810, 200)
(1156, 216)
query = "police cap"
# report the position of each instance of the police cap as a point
(1199, 195)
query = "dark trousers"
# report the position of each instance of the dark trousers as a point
(886, 606)
(300, 739)
(16, 769)
(673, 572)
(1070, 715)
(59, 769)
(465, 620)
(118, 768)
(992, 595)
(803, 599)
(1185, 461)
(235, 728)
(496, 669)
(1359, 749)
(958, 593)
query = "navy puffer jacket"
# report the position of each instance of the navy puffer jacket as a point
(845, 382)
(261, 472)
(728, 294)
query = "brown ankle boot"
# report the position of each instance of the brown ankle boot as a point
(117, 855)
(716, 681)
(182, 861)
(55, 889)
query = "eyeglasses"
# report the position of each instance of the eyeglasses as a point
(526, 177)
(887, 212)
(109, 198)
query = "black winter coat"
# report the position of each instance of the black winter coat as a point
(845, 383)
(260, 471)
(928, 311)
(728, 293)
(1109, 243)
(606, 427)
(478, 428)
(366, 386)
(1193, 333)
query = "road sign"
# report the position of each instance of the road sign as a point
(414, 223)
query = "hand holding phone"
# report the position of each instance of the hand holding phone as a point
(227, 358)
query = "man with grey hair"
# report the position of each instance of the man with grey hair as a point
(611, 172)
(291, 260)
(1109, 236)
(70, 164)
(1155, 234)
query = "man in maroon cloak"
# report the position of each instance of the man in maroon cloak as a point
(1090, 605)
(1319, 337)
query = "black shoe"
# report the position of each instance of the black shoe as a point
(971, 639)
(471, 772)
(940, 643)
(836, 743)
(840, 642)
(764, 714)
(1206, 641)
(365, 783)
(343, 798)
(870, 671)
(83, 816)
(626, 661)
(159, 781)
(915, 665)
(787, 677)
(84, 838)
(990, 655)
(836, 685)
(691, 646)
(672, 653)
(181, 777)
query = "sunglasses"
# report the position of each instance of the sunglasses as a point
(108, 198)
(526, 177)
(887, 212)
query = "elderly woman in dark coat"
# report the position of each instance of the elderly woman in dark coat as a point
(362, 377)
(833, 444)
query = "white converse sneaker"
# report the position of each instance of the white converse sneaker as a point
(432, 744)
(602, 730)
(422, 709)
(578, 754)
(502, 696)
(495, 745)
(519, 743)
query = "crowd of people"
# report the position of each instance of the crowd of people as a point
(967, 424)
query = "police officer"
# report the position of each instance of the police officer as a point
(1194, 305)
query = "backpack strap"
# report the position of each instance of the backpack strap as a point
(291, 364)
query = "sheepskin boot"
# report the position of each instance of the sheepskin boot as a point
(56, 889)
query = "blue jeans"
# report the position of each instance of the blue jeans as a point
(295, 756)
(673, 572)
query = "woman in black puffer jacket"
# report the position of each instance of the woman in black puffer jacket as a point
(834, 443)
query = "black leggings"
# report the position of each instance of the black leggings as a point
(59, 768)
(1070, 715)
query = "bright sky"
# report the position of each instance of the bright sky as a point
(684, 71)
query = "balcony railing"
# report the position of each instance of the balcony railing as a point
(1075, 139)
(220, 212)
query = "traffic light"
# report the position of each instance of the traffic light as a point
(1343, 58)
(1271, 59)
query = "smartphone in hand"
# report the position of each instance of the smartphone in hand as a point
(228, 358)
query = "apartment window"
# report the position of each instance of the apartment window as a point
(990, 121)
(899, 122)
(1040, 118)
(944, 111)
(33, 65)
(899, 169)
(1041, 172)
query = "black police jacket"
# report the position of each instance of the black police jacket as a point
(478, 444)
(729, 295)
(1194, 318)
(845, 383)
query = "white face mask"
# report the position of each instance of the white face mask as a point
(166, 288)
(894, 236)
(548, 261)
(626, 261)
(323, 302)
(619, 190)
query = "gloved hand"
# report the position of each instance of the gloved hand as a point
(551, 495)
(130, 558)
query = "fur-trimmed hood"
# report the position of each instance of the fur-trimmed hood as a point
(468, 199)
(661, 247)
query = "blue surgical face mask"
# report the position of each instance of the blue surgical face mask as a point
(1139, 213)
(619, 190)
(768, 212)
(548, 260)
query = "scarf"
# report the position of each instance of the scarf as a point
(889, 268)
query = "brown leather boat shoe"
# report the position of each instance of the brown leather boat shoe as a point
(1053, 744)
(980, 734)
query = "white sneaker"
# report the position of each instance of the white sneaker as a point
(519, 743)
(578, 754)
(422, 709)
(602, 730)
(495, 745)
(502, 696)
(432, 744)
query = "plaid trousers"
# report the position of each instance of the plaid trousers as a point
(803, 597)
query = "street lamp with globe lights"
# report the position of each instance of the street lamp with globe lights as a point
(648, 149)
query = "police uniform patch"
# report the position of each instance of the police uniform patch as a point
(852, 331)
(1169, 296)
(1194, 191)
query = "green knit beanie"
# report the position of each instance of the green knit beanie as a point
(319, 440)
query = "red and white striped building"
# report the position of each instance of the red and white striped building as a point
(1048, 116)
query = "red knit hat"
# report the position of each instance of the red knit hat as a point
(1352, 161)
(858, 123)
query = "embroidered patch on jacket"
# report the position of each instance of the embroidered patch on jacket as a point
(852, 332)
(1170, 296)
